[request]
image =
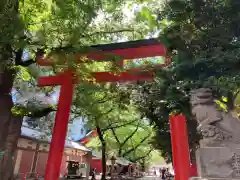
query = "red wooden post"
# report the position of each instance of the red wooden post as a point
(174, 152)
(60, 127)
(180, 147)
(194, 172)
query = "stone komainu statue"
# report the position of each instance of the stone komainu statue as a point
(218, 157)
(217, 128)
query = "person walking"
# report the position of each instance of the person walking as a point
(163, 173)
(93, 174)
(160, 171)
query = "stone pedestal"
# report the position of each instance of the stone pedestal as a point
(218, 163)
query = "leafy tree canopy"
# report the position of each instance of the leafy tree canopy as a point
(202, 39)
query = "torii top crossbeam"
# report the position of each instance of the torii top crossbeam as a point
(127, 50)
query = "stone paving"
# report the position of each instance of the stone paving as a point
(152, 178)
(98, 178)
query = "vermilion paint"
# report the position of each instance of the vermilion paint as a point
(193, 172)
(120, 50)
(174, 152)
(180, 147)
(60, 126)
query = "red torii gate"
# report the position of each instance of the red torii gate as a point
(126, 51)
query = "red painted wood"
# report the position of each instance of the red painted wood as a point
(60, 129)
(97, 163)
(130, 75)
(180, 147)
(26, 162)
(50, 80)
(174, 152)
(15, 158)
(63, 169)
(123, 76)
(193, 170)
(41, 163)
(130, 54)
(84, 140)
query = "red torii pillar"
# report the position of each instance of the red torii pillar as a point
(180, 147)
(67, 79)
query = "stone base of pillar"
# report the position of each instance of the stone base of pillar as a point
(218, 163)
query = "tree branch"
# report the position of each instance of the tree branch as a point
(117, 126)
(134, 148)
(142, 157)
(18, 57)
(115, 136)
(105, 99)
(19, 54)
(100, 133)
(126, 140)
(131, 135)
(101, 115)
(236, 94)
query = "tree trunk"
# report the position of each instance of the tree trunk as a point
(104, 168)
(10, 126)
(101, 138)
(143, 164)
(120, 152)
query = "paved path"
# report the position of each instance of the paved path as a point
(143, 178)
(151, 178)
